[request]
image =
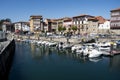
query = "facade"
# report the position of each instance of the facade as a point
(21, 27)
(86, 24)
(67, 23)
(115, 19)
(53, 24)
(92, 26)
(36, 23)
(104, 27)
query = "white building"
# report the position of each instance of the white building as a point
(104, 27)
(21, 26)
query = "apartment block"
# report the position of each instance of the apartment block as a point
(115, 21)
(36, 23)
(67, 22)
(86, 24)
(115, 18)
(21, 27)
(53, 24)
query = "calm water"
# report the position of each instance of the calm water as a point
(39, 63)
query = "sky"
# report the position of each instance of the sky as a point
(21, 10)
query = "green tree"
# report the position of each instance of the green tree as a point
(59, 28)
(64, 28)
(69, 29)
(74, 28)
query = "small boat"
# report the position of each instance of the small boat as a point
(52, 44)
(94, 53)
(104, 48)
(67, 46)
(79, 51)
(75, 47)
(60, 45)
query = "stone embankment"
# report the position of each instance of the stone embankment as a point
(63, 39)
(60, 39)
(7, 50)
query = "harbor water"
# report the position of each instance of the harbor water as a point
(33, 62)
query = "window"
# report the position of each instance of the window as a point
(114, 13)
(114, 24)
(77, 22)
(74, 22)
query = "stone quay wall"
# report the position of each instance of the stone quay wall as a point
(6, 56)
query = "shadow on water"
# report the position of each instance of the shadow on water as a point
(115, 63)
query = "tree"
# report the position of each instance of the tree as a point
(69, 29)
(8, 20)
(59, 28)
(74, 28)
(64, 28)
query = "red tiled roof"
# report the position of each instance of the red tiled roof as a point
(82, 15)
(100, 19)
(93, 18)
(67, 19)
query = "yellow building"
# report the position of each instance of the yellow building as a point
(36, 23)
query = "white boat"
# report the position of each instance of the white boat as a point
(104, 48)
(75, 47)
(60, 45)
(52, 44)
(106, 53)
(39, 42)
(87, 48)
(94, 53)
(66, 46)
(79, 50)
(43, 42)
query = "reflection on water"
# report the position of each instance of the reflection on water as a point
(33, 62)
(39, 51)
